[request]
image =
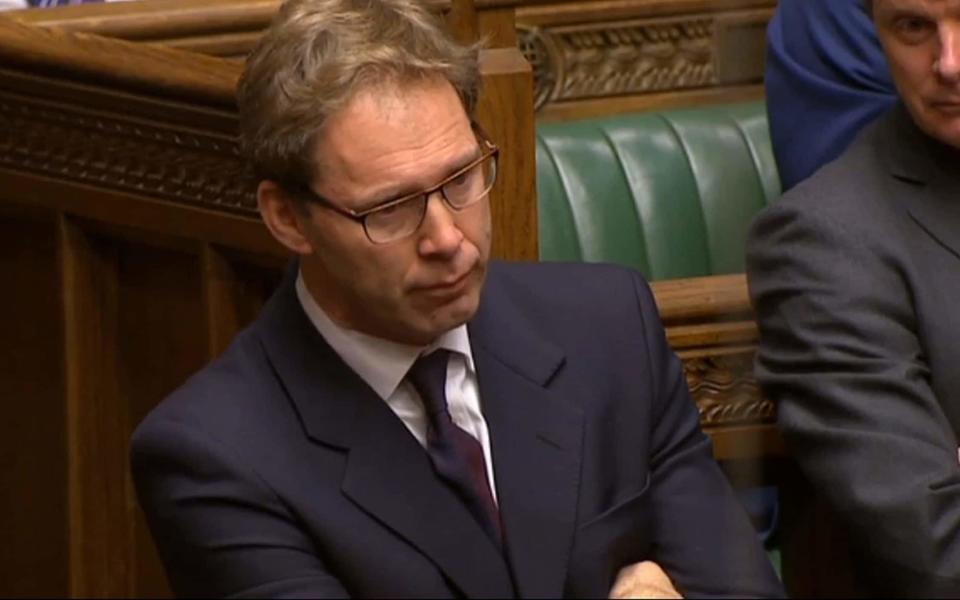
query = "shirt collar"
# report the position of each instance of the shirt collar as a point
(381, 363)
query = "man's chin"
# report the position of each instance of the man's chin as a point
(942, 127)
(949, 137)
(455, 313)
(437, 320)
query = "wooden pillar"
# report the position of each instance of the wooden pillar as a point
(508, 90)
(98, 487)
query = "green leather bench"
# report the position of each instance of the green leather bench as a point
(670, 193)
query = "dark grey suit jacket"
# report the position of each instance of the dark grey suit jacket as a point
(855, 275)
(278, 472)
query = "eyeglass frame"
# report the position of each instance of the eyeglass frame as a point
(360, 216)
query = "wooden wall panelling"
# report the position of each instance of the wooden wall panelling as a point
(221, 299)
(33, 452)
(164, 306)
(235, 288)
(163, 340)
(97, 417)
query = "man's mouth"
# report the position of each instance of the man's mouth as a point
(448, 285)
(950, 107)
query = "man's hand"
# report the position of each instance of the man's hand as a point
(643, 580)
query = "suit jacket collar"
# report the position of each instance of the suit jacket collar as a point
(932, 168)
(911, 154)
(325, 392)
(535, 432)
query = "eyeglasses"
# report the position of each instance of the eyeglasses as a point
(401, 217)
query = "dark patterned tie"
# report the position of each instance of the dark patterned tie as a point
(456, 455)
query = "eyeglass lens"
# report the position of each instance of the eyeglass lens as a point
(403, 219)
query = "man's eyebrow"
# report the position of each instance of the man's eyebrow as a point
(907, 8)
(391, 194)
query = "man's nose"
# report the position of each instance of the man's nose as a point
(948, 63)
(440, 234)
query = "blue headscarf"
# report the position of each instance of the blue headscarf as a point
(826, 78)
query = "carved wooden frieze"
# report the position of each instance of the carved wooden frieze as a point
(110, 151)
(641, 56)
(725, 391)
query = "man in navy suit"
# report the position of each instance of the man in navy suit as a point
(406, 417)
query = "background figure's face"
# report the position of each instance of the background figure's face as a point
(386, 143)
(922, 42)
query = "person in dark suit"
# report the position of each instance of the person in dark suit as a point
(855, 276)
(826, 79)
(407, 418)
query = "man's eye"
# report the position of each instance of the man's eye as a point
(390, 210)
(460, 180)
(914, 29)
(467, 180)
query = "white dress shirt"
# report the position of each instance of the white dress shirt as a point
(384, 364)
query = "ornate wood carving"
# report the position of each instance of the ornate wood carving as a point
(609, 59)
(709, 323)
(110, 151)
(580, 54)
(725, 391)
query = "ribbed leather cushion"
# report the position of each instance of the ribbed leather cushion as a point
(671, 194)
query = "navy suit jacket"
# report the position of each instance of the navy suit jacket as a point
(276, 471)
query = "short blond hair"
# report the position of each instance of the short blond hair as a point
(318, 54)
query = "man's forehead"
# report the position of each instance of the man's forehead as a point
(385, 102)
(393, 142)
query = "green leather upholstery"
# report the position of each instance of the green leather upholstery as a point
(671, 194)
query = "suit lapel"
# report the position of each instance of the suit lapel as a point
(937, 210)
(934, 169)
(388, 474)
(536, 438)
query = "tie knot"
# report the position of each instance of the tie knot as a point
(429, 376)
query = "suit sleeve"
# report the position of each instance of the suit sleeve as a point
(219, 529)
(702, 536)
(840, 355)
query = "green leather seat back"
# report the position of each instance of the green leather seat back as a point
(671, 194)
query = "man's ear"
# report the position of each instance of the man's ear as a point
(282, 217)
